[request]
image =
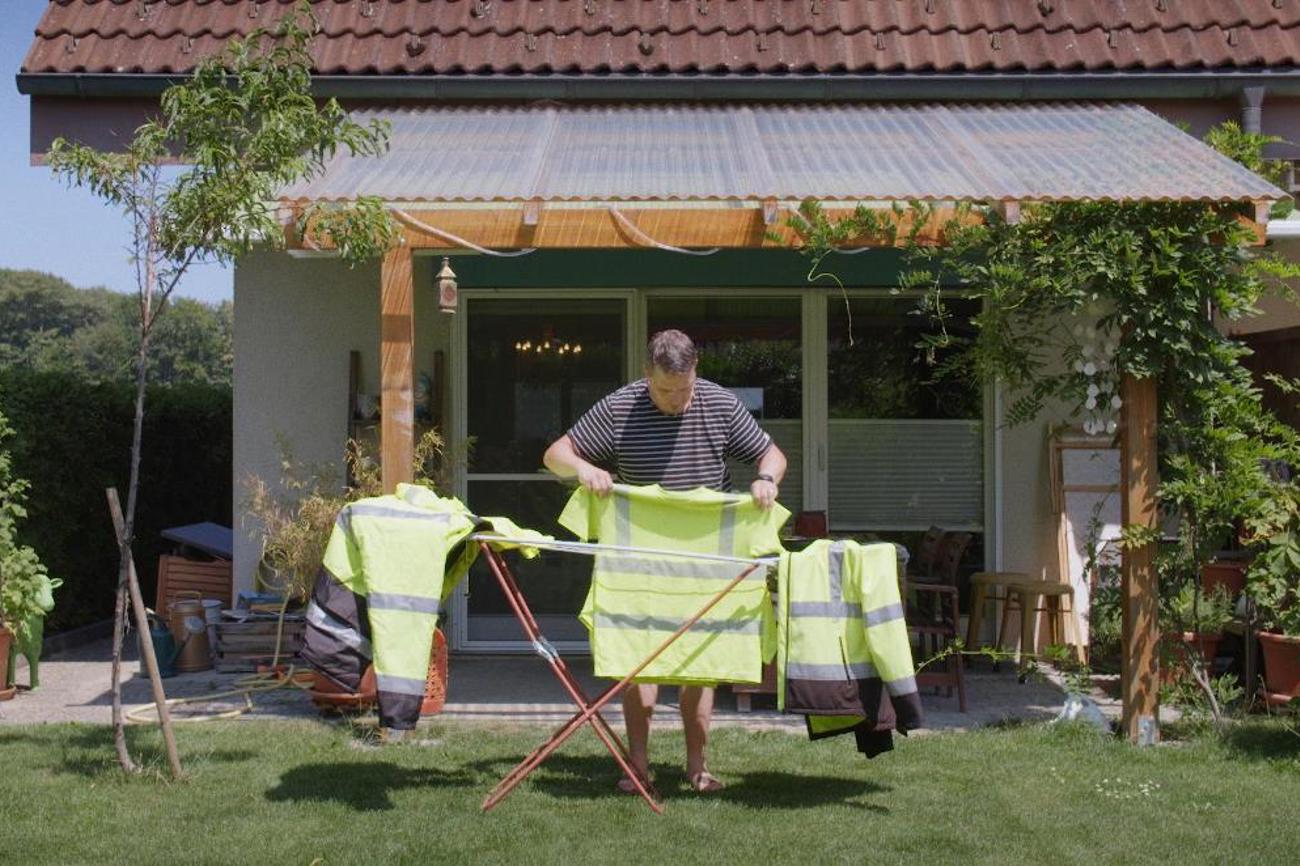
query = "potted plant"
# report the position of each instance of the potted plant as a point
(26, 589)
(1193, 621)
(1274, 582)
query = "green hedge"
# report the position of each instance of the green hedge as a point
(74, 440)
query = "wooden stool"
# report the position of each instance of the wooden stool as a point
(1029, 596)
(980, 582)
(1025, 592)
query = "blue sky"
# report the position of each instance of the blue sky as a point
(46, 226)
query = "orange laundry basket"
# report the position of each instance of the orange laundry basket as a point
(435, 684)
(327, 694)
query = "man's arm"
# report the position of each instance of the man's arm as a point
(563, 459)
(772, 464)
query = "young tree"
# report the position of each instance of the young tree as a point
(243, 126)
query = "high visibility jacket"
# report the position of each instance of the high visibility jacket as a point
(842, 645)
(389, 563)
(637, 600)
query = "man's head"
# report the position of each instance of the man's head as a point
(670, 370)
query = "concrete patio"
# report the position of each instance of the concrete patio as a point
(492, 689)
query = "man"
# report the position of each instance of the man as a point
(675, 430)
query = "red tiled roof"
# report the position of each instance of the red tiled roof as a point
(485, 37)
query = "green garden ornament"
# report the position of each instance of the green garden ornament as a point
(29, 636)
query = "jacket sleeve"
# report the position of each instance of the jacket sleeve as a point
(886, 631)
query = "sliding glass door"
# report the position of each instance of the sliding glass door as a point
(533, 366)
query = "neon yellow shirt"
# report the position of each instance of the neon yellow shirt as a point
(637, 600)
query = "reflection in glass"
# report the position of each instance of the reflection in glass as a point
(534, 368)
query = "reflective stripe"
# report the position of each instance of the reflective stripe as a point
(398, 601)
(337, 629)
(368, 509)
(622, 520)
(399, 685)
(671, 567)
(835, 566)
(882, 615)
(828, 673)
(825, 610)
(901, 686)
(727, 529)
(629, 622)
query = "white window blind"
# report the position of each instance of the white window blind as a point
(906, 474)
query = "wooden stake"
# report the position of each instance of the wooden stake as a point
(1139, 592)
(146, 643)
(397, 367)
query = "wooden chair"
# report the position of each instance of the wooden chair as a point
(935, 619)
(926, 552)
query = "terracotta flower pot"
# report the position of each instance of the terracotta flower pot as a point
(6, 641)
(1281, 667)
(1178, 650)
(1228, 573)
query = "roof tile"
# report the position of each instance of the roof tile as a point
(451, 37)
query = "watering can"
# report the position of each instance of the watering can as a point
(164, 647)
(189, 629)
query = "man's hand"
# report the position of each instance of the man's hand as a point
(595, 479)
(764, 493)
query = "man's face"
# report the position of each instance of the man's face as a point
(671, 392)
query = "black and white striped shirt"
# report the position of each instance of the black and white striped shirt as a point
(626, 434)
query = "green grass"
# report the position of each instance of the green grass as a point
(294, 792)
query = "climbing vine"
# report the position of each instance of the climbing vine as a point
(1076, 294)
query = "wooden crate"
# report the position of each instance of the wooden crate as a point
(176, 573)
(242, 646)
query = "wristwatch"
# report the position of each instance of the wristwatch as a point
(763, 476)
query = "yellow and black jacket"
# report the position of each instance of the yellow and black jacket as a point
(843, 656)
(390, 562)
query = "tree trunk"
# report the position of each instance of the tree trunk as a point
(119, 628)
(124, 541)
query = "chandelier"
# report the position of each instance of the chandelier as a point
(552, 345)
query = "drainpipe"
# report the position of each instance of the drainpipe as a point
(1252, 108)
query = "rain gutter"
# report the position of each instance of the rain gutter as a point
(794, 87)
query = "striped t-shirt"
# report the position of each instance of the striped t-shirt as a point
(626, 434)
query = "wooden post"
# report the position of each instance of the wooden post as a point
(146, 641)
(396, 367)
(1139, 476)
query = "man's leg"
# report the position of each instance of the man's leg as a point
(697, 712)
(638, 707)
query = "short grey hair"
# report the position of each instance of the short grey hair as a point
(672, 352)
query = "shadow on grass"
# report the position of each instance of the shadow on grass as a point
(362, 787)
(1264, 741)
(584, 777)
(89, 751)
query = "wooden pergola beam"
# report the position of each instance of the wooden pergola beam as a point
(538, 226)
(397, 367)
(1139, 683)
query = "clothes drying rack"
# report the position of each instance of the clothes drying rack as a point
(589, 709)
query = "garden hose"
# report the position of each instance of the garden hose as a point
(265, 681)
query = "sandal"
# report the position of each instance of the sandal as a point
(626, 786)
(705, 782)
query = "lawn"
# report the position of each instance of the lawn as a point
(279, 792)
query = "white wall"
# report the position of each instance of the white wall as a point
(296, 320)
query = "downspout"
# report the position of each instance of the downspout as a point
(1252, 108)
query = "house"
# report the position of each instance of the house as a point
(594, 170)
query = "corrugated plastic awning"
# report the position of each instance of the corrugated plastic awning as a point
(1023, 152)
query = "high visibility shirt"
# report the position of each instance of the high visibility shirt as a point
(389, 562)
(638, 600)
(841, 639)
